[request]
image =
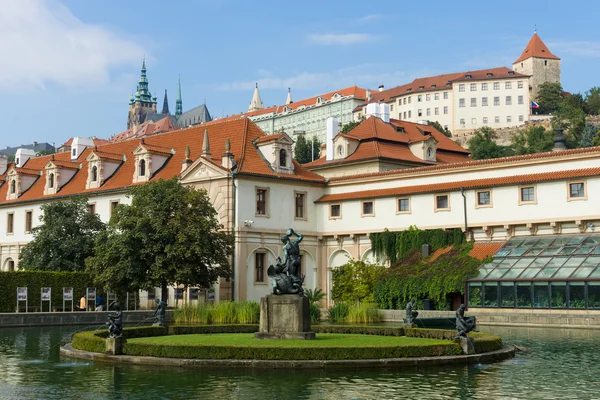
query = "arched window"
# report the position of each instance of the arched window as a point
(11, 265)
(94, 173)
(340, 151)
(51, 181)
(13, 186)
(282, 158)
(142, 168)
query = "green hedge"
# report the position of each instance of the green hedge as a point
(90, 341)
(360, 330)
(35, 281)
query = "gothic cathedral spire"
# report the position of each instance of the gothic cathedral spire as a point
(256, 103)
(165, 109)
(178, 103)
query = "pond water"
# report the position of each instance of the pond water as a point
(561, 363)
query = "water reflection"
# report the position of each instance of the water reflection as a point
(561, 363)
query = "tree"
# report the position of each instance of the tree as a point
(170, 234)
(572, 119)
(482, 145)
(549, 97)
(64, 239)
(351, 125)
(354, 281)
(592, 101)
(533, 139)
(303, 152)
(589, 135)
(440, 128)
(46, 152)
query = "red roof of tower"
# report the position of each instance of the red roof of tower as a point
(536, 48)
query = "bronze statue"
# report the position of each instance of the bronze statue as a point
(115, 321)
(159, 313)
(410, 314)
(285, 275)
(464, 324)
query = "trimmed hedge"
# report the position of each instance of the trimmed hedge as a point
(90, 341)
(360, 330)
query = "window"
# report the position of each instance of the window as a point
(282, 158)
(428, 112)
(428, 97)
(340, 150)
(113, 206)
(445, 109)
(404, 114)
(484, 198)
(28, 221)
(391, 107)
(445, 95)
(367, 209)
(409, 99)
(437, 111)
(436, 96)
(51, 181)
(420, 97)
(461, 102)
(545, 62)
(74, 152)
(461, 87)
(409, 113)
(335, 211)
(299, 202)
(521, 118)
(577, 191)
(509, 119)
(484, 86)
(508, 100)
(178, 293)
(496, 85)
(462, 121)
(10, 223)
(507, 85)
(420, 113)
(92, 209)
(473, 102)
(404, 101)
(497, 120)
(485, 120)
(11, 265)
(520, 99)
(403, 206)
(473, 87)
(473, 121)
(142, 168)
(259, 267)
(484, 101)
(527, 195)
(442, 202)
(496, 100)
(13, 186)
(261, 202)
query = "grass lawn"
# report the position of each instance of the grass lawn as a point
(322, 340)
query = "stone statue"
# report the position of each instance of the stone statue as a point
(115, 321)
(159, 313)
(464, 324)
(410, 314)
(285, 275)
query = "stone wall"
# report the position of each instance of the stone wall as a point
(504, 135)
(91, 318)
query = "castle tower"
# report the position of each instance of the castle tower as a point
(178, 102)
(538, 62)
(256, 103)
(142, 102)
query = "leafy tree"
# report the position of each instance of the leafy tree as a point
(592, 101)
(44, 153)
(354, 281)
(11, 158)
(169, 235)
(303, 152)
(351, 125)
(64, 239)
(549, 97)
(482, 145)
(533, 139)
(572, 119)
(589, 135)
(440, 128)
(576, 100)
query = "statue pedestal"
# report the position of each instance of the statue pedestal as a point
(114, 346)
(467, 345)
(285, 316)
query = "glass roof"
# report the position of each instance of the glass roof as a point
(565, 257)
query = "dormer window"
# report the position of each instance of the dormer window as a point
(13, 187)
(74, 152)
(142, 168)
(282, 158)
(513, 72)
(94, 177)
(340, 150)
(489, 74)
(17, 161)
(51, 181)
(468, 76)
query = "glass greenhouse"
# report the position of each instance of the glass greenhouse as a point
(540, 272)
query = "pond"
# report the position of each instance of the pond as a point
(561, 363)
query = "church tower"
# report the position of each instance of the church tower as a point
(256, 103)
(143, 102)
(538, 62)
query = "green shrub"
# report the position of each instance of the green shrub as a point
(314, 296)
(225, 312)
(364, 313)
(315, 312)
(354, 281)
(89, 341)
(486, 343)
(338, 312)
(248, 312)
(200, 329)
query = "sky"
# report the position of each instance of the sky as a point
(68, 67)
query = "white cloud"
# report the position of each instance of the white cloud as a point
(578, 48)
(340, 39)
(362, 75)
(370, 18)
(43, 43)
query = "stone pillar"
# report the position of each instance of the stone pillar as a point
(467, 345)
(285, 316)
(114, 346)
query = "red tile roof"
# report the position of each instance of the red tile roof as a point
(65, 164)
(470, 184)
(241, 133)
(145, 129)
(270, 138)
(480, 250)
(97, 142)
(536, 48)
(108, 156)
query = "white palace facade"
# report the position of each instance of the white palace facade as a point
(384, 174)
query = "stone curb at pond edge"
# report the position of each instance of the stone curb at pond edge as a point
(498, 355)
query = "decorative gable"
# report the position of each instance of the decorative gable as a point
(148, 160)
(58, 173)
(277, 150)
(424, 149)
(344, 146)
(101, 166)
(19, 181)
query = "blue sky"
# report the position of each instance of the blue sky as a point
(69, 66)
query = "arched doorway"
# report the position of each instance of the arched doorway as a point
(337, 259)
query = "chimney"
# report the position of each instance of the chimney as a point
(368, 95)
(381, 88)
(227, 157)
(559, 140)
(186, 161)
(373, 110)
(3, 164)
(384, 112)
(332, 131)
(22, 155)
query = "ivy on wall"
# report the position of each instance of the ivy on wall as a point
(415, 277)
(393, 246)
